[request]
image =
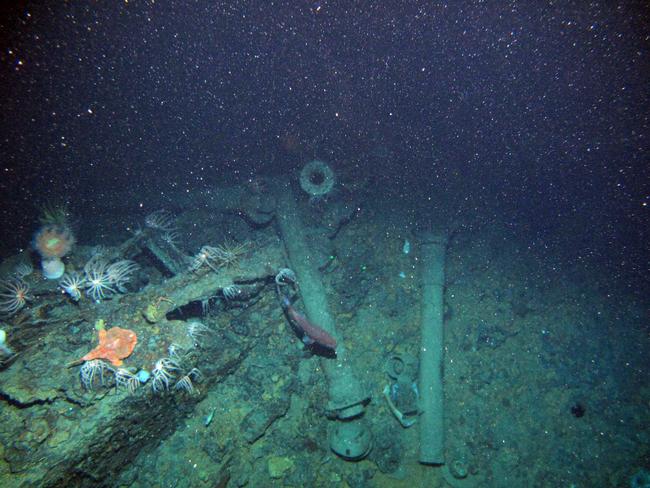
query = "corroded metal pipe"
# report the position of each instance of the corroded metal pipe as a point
(347, 397)
(432, 433)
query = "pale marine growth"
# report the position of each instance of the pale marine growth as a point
(98, 281)
(171, 238)
(185, 382)
(14, 294)
(223, 256)
(197, 330)
(102, 279)
(176, 352)
(163, 371)
(285, 276)
(53, 213)
(205, 256)
(72, 284)
(231, 292)
(120, 273)
(93, 370)
(5, 350)
(205, 306)
(23, 269)
(125, 379)
(229, 253)
(160, 220)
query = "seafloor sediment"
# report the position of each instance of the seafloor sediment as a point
(526, 342)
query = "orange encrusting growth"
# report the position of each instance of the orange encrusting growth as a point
(115, 344)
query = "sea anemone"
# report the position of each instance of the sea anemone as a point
(14, 294)
(125, 379)
(185, 383)
(119, 273)
(53, 242)
(103, 279)
(92, 370)
(72, 284)
(164, 370)
(161, 220)
(98, 282)
(226, 255)
(55, 214)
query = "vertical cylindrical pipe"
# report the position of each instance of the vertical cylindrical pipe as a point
(347, 397)
(432, 434)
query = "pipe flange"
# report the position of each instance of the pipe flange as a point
(350, 440)
(317, 178)
(347, 397)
